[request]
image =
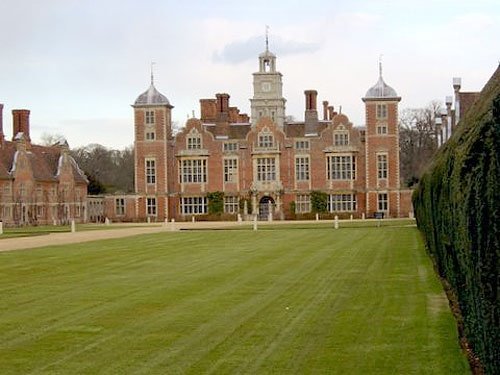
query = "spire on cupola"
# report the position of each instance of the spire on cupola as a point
(152, 76)
(267, 59)
(380, 66)
(152, 96)
(381, 90)
(267, 38)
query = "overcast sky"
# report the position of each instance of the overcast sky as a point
(79, 64)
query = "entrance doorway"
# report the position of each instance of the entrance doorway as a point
(266, 205)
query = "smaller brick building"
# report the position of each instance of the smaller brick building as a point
(38, 184)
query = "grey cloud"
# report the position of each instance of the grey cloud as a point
(244, 50)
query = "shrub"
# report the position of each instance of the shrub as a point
(319, 201)
(215, 202)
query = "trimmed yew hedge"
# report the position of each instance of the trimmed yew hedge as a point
(457, 207)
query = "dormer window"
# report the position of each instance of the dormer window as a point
(193, 140)
(341, 138)
(150, 117)
(266, 139)
(230, 146)
(302, 144)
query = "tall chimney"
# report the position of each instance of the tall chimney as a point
(457, 84)
(222, 103)
(311, 114)
(325, 110)
(311, 97)
(331, 112)
(2, 136)
(21, 123)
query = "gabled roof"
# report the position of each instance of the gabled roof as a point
(44, 162)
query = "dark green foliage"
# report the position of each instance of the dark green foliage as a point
(215, 202)
(95, 187)
(319, 201)
(457, 207)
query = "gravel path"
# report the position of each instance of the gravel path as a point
(63, 238)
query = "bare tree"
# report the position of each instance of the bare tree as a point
(48, 139)
(108, 170)
(417, 141)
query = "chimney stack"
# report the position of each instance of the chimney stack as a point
(21, 123)
(331, 112)
(2, 136)
(222, 103)
(325, 110)
(311, 97)
(311, 115)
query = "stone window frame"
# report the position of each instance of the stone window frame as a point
(381, 111)
(341, 136)
(193, 171)
(149, 134)
(266, 169)
(383, 201)
(150, 170)
(382, 165)
(302, 168)
(337, 167)
(231, 204)
(382, 128)
(229, 146)
(342, 202)
(120, 206)
(302, 203)
(193, 205)
(151, 206)
(230, 167)
(265, 138)
(194, 140)
(149, 117)
(302, 145)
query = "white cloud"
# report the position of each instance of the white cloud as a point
(248, 49)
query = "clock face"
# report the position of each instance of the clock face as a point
(266, 86)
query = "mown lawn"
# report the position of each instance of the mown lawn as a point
(290, 301)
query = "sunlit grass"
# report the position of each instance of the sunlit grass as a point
(291, 301)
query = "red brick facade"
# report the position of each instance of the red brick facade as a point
(38, 185)
(262, 166)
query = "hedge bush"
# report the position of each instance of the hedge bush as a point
(457, 207)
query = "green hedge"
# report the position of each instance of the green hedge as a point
(457, 207)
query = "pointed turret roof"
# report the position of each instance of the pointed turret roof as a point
(151, 97)
(381, 90)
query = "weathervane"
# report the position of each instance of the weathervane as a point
(380, 65)
(152, 76)
(267, 38)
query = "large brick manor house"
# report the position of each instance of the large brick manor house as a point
(264, 164)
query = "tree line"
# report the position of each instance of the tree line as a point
(108, 170)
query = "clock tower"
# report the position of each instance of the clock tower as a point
(268, 98)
